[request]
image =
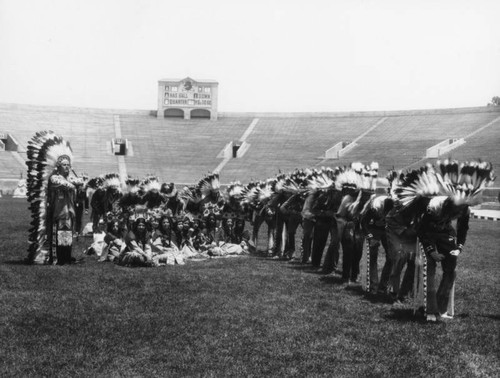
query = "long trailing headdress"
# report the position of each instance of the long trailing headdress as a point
(264, 192)
(235, 191)
(415, 185)
(358, 180)
(209, 185)
(45, 151)
(131, 196)
(464, 182)
(150, 191)
(323, 179)
(453, 182)
(112, 181)
(249, 195)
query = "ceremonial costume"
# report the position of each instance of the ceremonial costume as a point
(290, 211)
(373, 226)
(437, 197)
(52, 188)
(443, 244)
(401, 232)
(138, 249)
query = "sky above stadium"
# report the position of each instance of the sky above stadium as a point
(281, 56)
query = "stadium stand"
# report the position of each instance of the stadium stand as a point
(177, 150)
(10, 167)
(183, 151)
(283, 144)
(401, 141)
(88, 130)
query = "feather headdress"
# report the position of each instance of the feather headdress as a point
(265, 192)
(355, 177)
(296, 182)
(131, 195)
(323, 179)
(415, 185)
(151, 183)
(235, 190)
(209, 185)
(45, 151)
(151, 191)
(249, 194)
(190, 194)
(112, 181)
(464, 182)
(132, 185)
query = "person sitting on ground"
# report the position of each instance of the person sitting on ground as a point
(165, 251)
(138, 249)
(115, 241)
(98, 244)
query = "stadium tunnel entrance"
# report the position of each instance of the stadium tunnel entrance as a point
(200, 113)
(173, 113)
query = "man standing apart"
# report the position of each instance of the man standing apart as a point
(61, 210)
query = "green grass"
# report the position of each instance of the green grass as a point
(245, 316)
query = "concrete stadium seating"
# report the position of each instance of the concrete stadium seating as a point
(177, 150)
(10, 167)
(183, 151)
(283, 144)
(401, 141)
(88, 132)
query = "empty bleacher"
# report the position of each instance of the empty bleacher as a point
(183, 151)
(178, 150)
(88, 132)
(10, 167)
(283, 144)
(401, 141)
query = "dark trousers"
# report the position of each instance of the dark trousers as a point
(292, 222)
(320, 236)
(374, 246)
(307, 237)
(333, 252)
(352, 246)
(402, 251)
(79, 207)
(444, 243)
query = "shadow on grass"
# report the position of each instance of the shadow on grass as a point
(378, 298)
(406, 315)
(76, 260)
(492, 316)
(16, 262)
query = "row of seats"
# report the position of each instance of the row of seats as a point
(183, 151)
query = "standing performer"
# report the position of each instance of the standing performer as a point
(52, 190)
(443, 243)
(446, 196)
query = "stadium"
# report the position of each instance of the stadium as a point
(249, 189)
(238, 316)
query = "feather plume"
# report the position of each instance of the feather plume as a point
(464, 182)
(150, 184)
(417, 184)
(43, 153)
(209, 185)
(112, 180)
(323, 179)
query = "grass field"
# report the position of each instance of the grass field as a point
(245, 316)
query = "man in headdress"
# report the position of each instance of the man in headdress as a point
(442, 243)
(61, 209)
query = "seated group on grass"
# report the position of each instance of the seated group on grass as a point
(412, 222)
(158, 239)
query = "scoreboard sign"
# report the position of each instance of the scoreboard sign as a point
(188, 94)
